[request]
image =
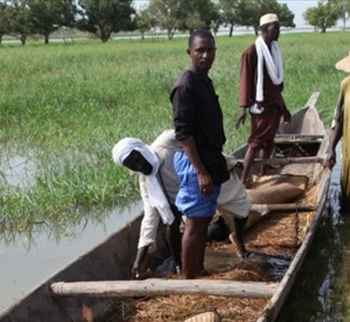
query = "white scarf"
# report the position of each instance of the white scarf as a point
(157, 196)
(274, 65)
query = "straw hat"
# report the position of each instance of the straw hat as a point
(268, 18)
(344, 64)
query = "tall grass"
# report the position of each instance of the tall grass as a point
(71, 103)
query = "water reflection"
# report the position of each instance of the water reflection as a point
(320, 293)
(29, 258)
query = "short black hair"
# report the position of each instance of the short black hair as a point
(202, 33)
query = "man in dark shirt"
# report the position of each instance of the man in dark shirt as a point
(200, 166)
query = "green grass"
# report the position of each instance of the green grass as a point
(71, 103)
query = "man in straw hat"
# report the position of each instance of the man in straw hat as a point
(261, 85)
(341, 129)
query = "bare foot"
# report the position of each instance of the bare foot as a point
(242, 253)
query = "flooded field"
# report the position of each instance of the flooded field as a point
(28, 259)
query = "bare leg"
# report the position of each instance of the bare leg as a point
(238, 236)
(174, 240)
(203, 228)
(267, 152)
(248, 160)
(193, 246)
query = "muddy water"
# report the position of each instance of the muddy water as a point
(31, 260)
(322, 291)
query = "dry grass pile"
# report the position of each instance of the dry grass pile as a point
(179, 308)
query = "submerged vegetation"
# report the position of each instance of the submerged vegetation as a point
(67, 105)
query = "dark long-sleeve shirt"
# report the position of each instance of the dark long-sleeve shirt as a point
(197, 113)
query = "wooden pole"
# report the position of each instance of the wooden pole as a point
(162, 287)
(285, 161)
(299, 136)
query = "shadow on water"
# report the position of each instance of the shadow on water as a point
(320, 293)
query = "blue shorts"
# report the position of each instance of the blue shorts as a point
(190, 200)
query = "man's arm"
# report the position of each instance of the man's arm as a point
(148, 230)
(336, 134)
(246, 86)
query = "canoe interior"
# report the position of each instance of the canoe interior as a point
(112, 259)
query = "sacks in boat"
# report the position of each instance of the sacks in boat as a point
(278, 189)
(205, 317)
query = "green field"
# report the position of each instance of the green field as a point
(68, 104)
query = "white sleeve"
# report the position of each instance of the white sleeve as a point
(150, 221)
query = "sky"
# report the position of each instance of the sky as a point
(296, 6)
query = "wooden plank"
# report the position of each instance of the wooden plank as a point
(299, 136)
(285, 161)
(311, 103)
(296, 140)
(161, 287)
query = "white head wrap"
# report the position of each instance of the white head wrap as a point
(157, 196)
(268, 18)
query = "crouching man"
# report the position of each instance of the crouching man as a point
(158, 188)
(155, 166)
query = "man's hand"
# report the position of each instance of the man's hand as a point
(135, 272)
(287, 116)
(330, 160)
(241, 118)
(205, 183)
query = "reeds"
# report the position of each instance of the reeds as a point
(73, 103)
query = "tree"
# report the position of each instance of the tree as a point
(144, 22)
(234, 12)
(344, 10)
(103, 17)
(21, 22)
(4, 20)
(197, 14)
(252, 10)
(324, 16)
(50, 15)
(166, 14)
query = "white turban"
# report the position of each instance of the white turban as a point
(157, 196)
(268, 18)
(125, 146)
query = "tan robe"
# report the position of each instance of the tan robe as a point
(343, 116)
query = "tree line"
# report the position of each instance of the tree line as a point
(327, 13)
(23, 18)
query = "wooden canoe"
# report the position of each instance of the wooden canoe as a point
(111, 261)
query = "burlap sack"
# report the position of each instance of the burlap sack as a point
(205, 317)
(276, 190)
